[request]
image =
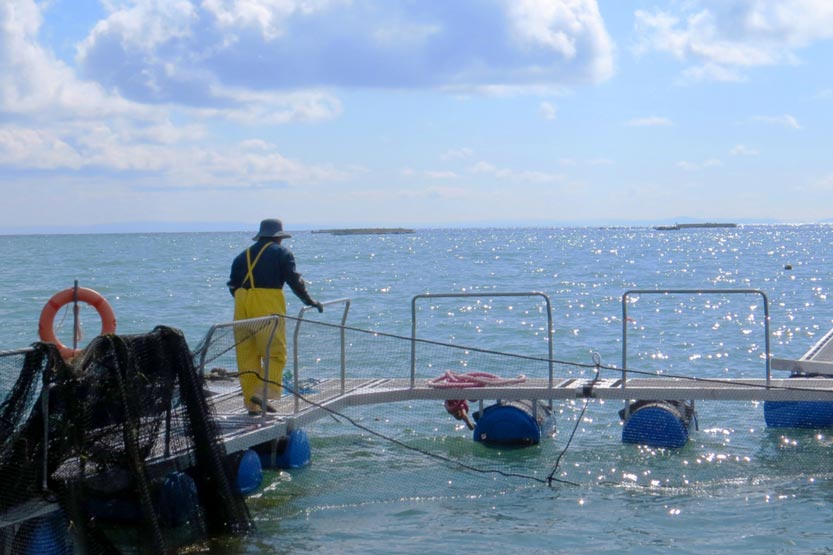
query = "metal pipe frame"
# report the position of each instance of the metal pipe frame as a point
(626, 294)
(295, 359)
(480, 295)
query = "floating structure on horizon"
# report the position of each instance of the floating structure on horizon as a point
(707, 225)
(366, 231)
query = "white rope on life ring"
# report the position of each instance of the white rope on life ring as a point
(93, 298)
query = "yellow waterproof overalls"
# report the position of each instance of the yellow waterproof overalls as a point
(256, 302)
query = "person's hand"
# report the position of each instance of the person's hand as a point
(318, 305)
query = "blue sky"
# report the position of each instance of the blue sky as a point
(330, 113)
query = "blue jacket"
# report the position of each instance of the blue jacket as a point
(275, 268)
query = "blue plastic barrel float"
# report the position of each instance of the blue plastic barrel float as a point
(799, 414)
(178, 502)
(43, 535)
(513, 423)
(249, 472)
(175, 501)
(663, 424)
(290, 451)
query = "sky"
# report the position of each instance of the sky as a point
(417, 113)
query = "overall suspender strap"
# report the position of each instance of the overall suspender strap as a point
(251, 265)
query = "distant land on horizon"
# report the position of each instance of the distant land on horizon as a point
(196, 227)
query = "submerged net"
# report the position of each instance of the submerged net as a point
(127, 427)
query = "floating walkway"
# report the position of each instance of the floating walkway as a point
(808, 382)
(242, 430)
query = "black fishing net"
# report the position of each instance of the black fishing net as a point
(124, 457)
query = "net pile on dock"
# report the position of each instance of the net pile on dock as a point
(133, 454)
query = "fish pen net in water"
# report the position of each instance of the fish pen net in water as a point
(22, 375)
(126, 444)
(396, 453)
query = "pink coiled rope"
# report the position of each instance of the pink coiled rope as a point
(452, 380)
(458, 408)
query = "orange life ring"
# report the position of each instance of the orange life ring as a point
(61, 298)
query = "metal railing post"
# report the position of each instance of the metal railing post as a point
(295, 359)
(205, 343)
(547, 302)
(767, 353)
(276, 322)
(413, 340)
(257, 325)
(47, 387)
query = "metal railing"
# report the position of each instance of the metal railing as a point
(295, 343)
(255, 323)
(13, 352)
(626, 294)
(253, 326)
(481, 295)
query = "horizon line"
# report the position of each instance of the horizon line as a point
(233, 227)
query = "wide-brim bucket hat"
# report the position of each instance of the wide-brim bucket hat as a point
(271, 228)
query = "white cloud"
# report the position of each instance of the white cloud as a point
(259, 108)
(37, 85)
(34, 83)
(40, 149)
(592, 162)
(548, 111)
(507, 174)
(431, 193)
(246, 164)
(697, 166)
(104, 148)
(649, 121)
(743, 150)
(441, 174)
(144, 25)
(571, 29)
(65, 123)
(268, 19)
(712, 72)
(824, 184)
(722, 38)
(457, 154)
(181, 51)
(785, 120)
(601, 162)
(263, 62)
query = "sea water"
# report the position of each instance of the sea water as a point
(736, 487)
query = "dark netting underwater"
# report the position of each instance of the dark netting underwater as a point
(132, 454)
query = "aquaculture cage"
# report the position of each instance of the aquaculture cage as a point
(117, 452)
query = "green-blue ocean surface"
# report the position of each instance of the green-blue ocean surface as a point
(736, 487)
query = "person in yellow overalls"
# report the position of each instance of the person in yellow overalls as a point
(258, 275)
